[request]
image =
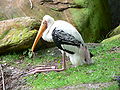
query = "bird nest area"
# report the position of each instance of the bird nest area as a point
(14, 68)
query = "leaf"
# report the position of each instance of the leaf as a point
(30, 54)
(25, 52)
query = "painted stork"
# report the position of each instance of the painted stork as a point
(66, 38)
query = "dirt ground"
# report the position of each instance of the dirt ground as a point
(14, 80)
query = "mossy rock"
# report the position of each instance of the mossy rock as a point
(111, 39)
(17, 34)
(90, 17)
(116, 31)
(93, 20)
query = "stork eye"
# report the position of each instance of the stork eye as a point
(45, 22)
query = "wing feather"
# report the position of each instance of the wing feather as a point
(65, 41)
(67, 28)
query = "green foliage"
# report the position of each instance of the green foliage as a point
(9, 59)
(2, 18)
(111, 87)
(29, 53)
(93, 20)
(116, 31)
(4, 34)
(106, 66)
(112, 39)
(16, 37)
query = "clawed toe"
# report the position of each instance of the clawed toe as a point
(44, 69)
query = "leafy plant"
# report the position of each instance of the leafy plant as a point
(28, 53)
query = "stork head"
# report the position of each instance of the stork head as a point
(46, 23)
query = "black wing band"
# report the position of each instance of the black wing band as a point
(60, 37)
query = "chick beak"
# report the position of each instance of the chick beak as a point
(42, 28)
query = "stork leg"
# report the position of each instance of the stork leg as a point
(44, 68)
(64, 62)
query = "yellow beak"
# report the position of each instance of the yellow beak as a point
(43, 27)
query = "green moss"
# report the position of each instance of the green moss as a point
(35, 25)
(16, 35)
(54, 9)
(116, 31)
(93, 20)
(21, 35)
(83, 3)
(4, 34)
(114, 38)
(2, 17)
(81, 20)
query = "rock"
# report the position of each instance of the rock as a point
(90, 17)
(113, 38)
(116, 31)
(114, 10)
(92, 20)
(17, 34)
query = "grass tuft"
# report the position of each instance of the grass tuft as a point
(106, 66)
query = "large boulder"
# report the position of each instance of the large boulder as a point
(111, 39)
(90, 17)
(93, 19)
(116, 31)
(114, 36)
(114, 10)
(17, 34)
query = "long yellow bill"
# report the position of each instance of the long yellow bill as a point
(43, 27)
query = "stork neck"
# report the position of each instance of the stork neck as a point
(48, 28)
(47, 35)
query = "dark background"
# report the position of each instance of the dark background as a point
(115, 12)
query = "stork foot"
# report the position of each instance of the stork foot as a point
(45, 69)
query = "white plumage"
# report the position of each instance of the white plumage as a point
(81, 54)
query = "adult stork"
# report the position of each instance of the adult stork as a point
(66, 38)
